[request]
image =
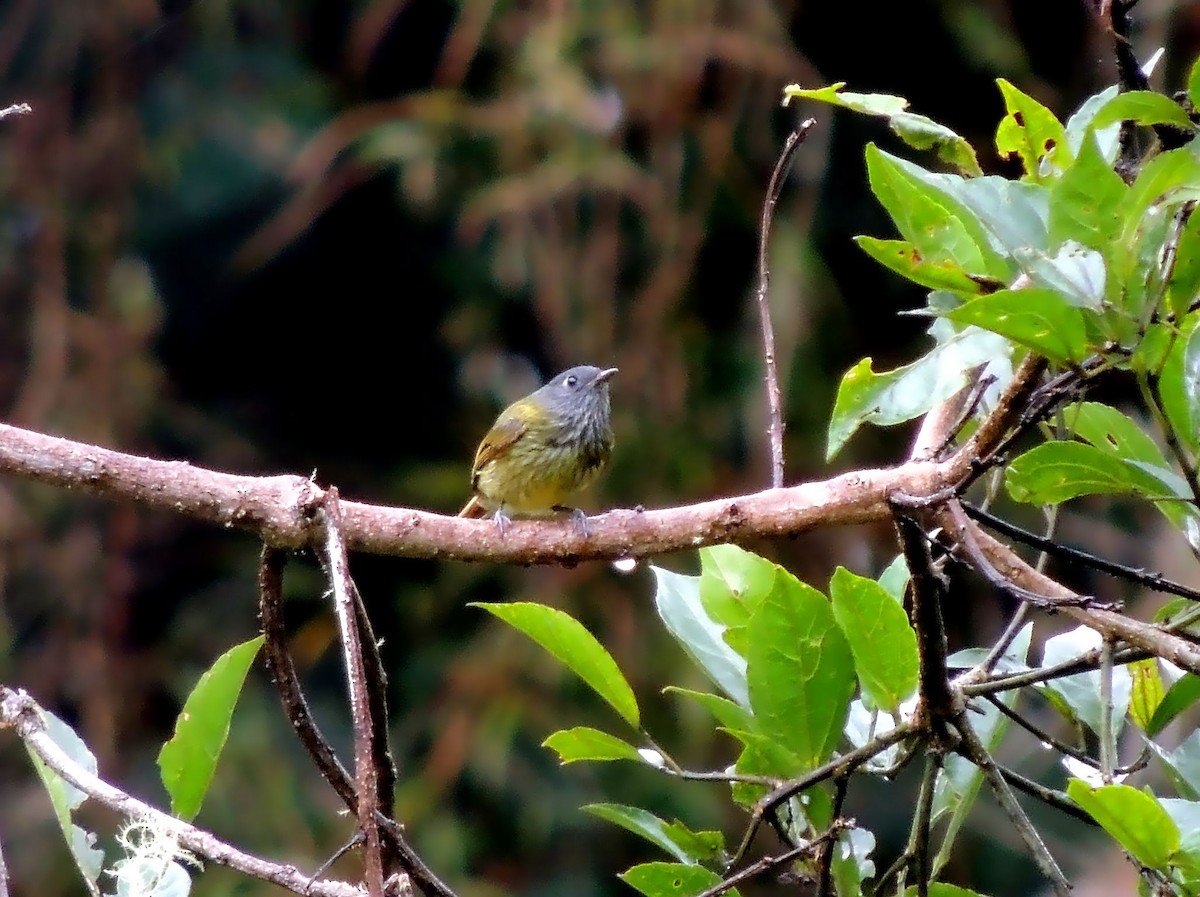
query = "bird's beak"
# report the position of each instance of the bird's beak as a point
(605, 375)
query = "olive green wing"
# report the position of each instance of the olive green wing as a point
(500, 438)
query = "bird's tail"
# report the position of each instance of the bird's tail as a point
(473, 509)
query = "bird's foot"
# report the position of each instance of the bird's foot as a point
(502, 520)
(578, 518)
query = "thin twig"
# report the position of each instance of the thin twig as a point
(1089, 660)
(1134, 574)
(1048, 796)
(918, 839)
(366, 776)
(774, 188)
(766, 864)
(825, 856)
(15, 109)
(287, 683)
(1107, 734)
(20, 713)
(837, 766)
(975, 751)
(3, 874)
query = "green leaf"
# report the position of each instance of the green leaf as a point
(1081, 693)
(941, 889)
(1184, 283)
(1107, 428)
(571, 643)
(187, 762)
(1084, 202)
(1031, 132)
(917, 131)
(894, 580)
(907, 261)
(765, 755)
(732, 582)
(1144, 107)
(880, 638)
(1179, 697)
(1134, 818)
(1057, 471)
(1074, 271)
(1080, 124)
(671, 880)
(1193, 85)
(1179, 384)
(583, 743)
(801, 672)
(729, 714)
(1183, 764)
(910, 391)
(1035, 317)
(66, 798)
(1148, 692)
(675, 838)
(931, 227)
(703, 638)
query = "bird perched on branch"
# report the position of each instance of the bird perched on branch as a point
(543, 449)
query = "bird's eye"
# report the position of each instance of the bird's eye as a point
(571, 381)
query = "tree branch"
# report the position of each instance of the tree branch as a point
(20, 713)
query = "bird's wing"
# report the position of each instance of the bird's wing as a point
(504, 433)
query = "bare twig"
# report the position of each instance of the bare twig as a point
(1107, 734)
(973, 749)
(766, 864)
(774, 403)
(21, 714)
(838, 766)
(3, 874)
(1048, 796)
(1141, 576)
(366, 774)
(15, 109)
(283, 672)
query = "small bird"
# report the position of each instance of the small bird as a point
(543, 449)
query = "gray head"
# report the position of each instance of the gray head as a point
(580, 395)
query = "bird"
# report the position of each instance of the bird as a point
(544, 449)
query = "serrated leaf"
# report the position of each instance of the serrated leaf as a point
(1084, 203)
(1135, 819)
(880, 638)
(917, 131)
(188, 761)
(801, 672)
(671, 879)
(1184, 693)
(1031, 132)
(926, 223)
(907, 392)
(1145, 107)
(677, 599)
(1148, 692)
(906, 260)
(675, 838)
(66, 798)
(584, 743)
(1037, 318)
(568, 640)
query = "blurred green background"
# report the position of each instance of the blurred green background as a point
(272, 236)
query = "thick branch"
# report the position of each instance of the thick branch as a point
(280, 509)
(19, 712)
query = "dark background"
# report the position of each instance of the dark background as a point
(269, 236)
